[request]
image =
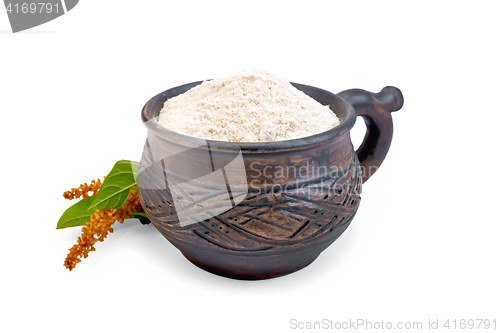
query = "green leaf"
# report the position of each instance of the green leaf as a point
(142, 217)
(76, 215)
(115, 188)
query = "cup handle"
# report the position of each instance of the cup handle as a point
(375, 108)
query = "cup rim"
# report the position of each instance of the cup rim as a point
(343, 110)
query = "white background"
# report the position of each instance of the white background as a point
(424, 244)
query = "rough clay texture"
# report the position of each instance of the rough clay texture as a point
(250, 106)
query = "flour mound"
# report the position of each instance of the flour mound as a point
(250, 106)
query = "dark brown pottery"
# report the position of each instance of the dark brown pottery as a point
(296, 198)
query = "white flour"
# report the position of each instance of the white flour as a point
(250, 106)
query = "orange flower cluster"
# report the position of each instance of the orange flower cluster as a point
(83, 190)
(99, 227)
